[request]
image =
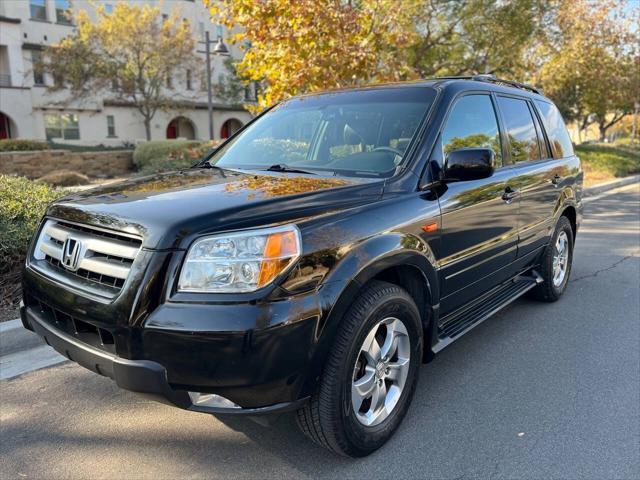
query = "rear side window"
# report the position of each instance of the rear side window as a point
(556, 130)
(472, 123)
(520, 128)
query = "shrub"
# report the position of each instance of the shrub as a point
(64, 178)
(162, 155)
(22, 205)
(17, 145)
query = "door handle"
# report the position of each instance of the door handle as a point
(556, 179)
(509, 194)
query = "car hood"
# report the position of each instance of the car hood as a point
(164, 209)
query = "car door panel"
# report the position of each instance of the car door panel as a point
(479, 238)
(479, 227)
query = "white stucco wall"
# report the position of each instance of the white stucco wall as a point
(26, 103)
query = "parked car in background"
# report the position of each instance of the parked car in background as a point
(314, 260)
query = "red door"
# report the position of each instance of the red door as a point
(172, 130)
(5, 131)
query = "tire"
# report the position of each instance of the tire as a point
(551, 289)
(330, 418)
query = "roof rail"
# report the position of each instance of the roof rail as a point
(493, 79)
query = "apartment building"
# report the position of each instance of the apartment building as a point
(29, 110)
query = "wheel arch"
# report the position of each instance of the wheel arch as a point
(401, 259)
(571, 213)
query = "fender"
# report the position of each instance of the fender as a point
(361, 264)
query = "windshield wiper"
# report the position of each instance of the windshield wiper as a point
(281, 167)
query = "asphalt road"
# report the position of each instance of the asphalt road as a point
(538, 391)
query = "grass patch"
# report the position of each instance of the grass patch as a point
(602, 161)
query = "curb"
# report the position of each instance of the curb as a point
(603, 187)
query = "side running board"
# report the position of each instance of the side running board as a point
(456, 324)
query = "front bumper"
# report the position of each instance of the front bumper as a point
(143, 376)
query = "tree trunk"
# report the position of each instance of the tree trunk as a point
(147, 127)
(603, 131)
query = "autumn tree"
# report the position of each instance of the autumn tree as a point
(130, 52)
(310, 45)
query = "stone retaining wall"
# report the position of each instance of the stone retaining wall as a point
(42, 162)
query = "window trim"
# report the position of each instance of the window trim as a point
(527, 100)
(544, 128)
(111, 126)
(59, 116)
(66, 12)
(543, 140)
(41, 75)
(452, 104)
(43, 6)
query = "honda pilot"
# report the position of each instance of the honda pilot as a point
(315, 259)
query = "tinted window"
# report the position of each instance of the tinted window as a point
(520, 128)
(472, 123)
(359, 133)
(556, 130)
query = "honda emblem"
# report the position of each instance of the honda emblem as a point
(71, 254)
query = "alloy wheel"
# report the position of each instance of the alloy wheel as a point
(560, 259)
(381, 371)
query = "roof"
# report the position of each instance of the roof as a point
(442, 81)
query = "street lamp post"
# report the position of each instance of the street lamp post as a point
(219, 49)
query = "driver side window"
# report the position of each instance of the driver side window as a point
(472, 123)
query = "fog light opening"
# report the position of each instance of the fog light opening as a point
(211, 400)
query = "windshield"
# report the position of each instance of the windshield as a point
(357, 133)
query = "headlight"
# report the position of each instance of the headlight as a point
(239, 262)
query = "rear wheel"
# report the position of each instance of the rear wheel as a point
(370, 375)
(556, 263)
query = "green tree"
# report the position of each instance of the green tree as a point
(131, 52)
(467, 37)
(589, 62)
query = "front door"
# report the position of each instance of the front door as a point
(479, 218)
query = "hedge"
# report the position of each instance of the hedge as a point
(163, 155)
(22, 205)
(17, 145)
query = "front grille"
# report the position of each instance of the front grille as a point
(86, 258)
(83, 331)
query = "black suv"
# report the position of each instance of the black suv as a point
(316, 258)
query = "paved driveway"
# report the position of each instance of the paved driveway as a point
(538, 391)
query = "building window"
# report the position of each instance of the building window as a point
(189, 86)
(63, 12)
(165, 17)
(38, 9)
(36, 65)
(169, 81)
(62, 125)
(201, 29)
(219, 31)
(111, 126)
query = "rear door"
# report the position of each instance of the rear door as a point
(536, 176)
(479, 223)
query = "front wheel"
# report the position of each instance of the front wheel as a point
(556, 263)
(370, 375)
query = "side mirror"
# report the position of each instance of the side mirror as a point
(469, 164)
